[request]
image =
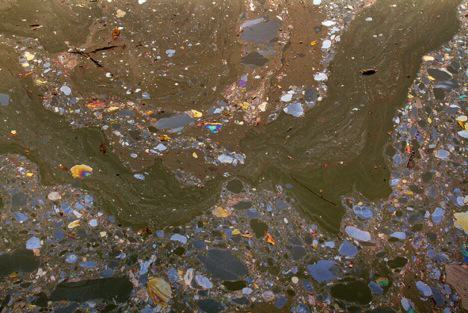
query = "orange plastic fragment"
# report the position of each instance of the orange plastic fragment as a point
(115, 33)
(269, 238)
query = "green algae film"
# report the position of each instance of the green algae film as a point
(55, 146)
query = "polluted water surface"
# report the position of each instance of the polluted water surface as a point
(220, 156)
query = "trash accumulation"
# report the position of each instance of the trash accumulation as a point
(253, 250)
(133, 115)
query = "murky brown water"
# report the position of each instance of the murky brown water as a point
(349, 126)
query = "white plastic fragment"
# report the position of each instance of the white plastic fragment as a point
(326, 44)
(320, 77)
(161, 147)
(65, 90)
(286, 97)
(328, 23)
(54, 196)
(170, 52)
(139, 176)
(463, 133)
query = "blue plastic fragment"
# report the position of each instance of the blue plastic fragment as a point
(348, 249)
(33, 243)
(363, 212)
(281, 302)
(180, 238)
(375, 288)
(71, 258)
(323, 270)
(21, 217)
(88, 264)
(437, 215)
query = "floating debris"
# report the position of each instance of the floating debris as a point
(222, 264)
(457, 277)
(320, 77)
(81, 171)
(221, 212)
(174, 123)
(66, 90)
(33, 243)
(203, 282)
(4, 99)
(368, 72)
(139, 176)
(214, 128)
(424, 289)
(180, 238)
(357, 233)
(54, 196)
(294, 109)
(254, 58)
(348, 249)
(363, 212)
(159, 290)
(328, 23)
(260, 31)
(227, 240)
(461, 221)
(326, 44)
(170, 53)
(323, 271)
(287, 96)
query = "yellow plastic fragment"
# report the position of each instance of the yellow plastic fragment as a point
(81, 171)
(245, 105)
(29, 56)
(164, 138)
(461, 221)
(196, 114)
(74, 224)
(220, 212)
(461, 120)
(40, 82)
(112, 108)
